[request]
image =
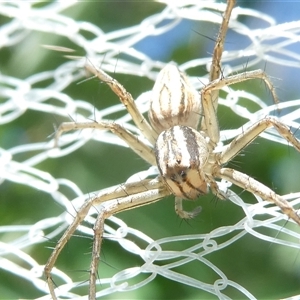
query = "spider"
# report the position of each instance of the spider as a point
(186, 157)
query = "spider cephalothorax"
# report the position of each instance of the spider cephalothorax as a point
(181, 155)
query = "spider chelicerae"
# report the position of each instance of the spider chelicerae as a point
(183, 135)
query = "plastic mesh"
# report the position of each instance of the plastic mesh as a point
(230, 250)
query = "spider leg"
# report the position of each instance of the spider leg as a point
(215, 69)
(125, 196)
(219, 46)
(209, 111)
(253, 186)
(153, 191)
(246, 182)
(132, 141)
(253, 132)
(126, 98)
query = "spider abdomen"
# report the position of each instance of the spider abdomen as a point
(181, 153)
(174, 101)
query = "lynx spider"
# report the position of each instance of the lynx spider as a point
(185, 172)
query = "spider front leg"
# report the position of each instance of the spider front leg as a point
(124, 196)
(209, 111)
(127, 99)
(246, 182)
(253, 132)
(253, 186)
(154, 190)
(132, 141)
(215, 69)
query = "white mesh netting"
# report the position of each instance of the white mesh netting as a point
(243, 249)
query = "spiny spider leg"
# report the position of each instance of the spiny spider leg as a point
(126, 98)
(128, 196)
(244, 139)
(131, 201)
(132, 141)
(215, 69)
(253, 186)
(210, 119)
